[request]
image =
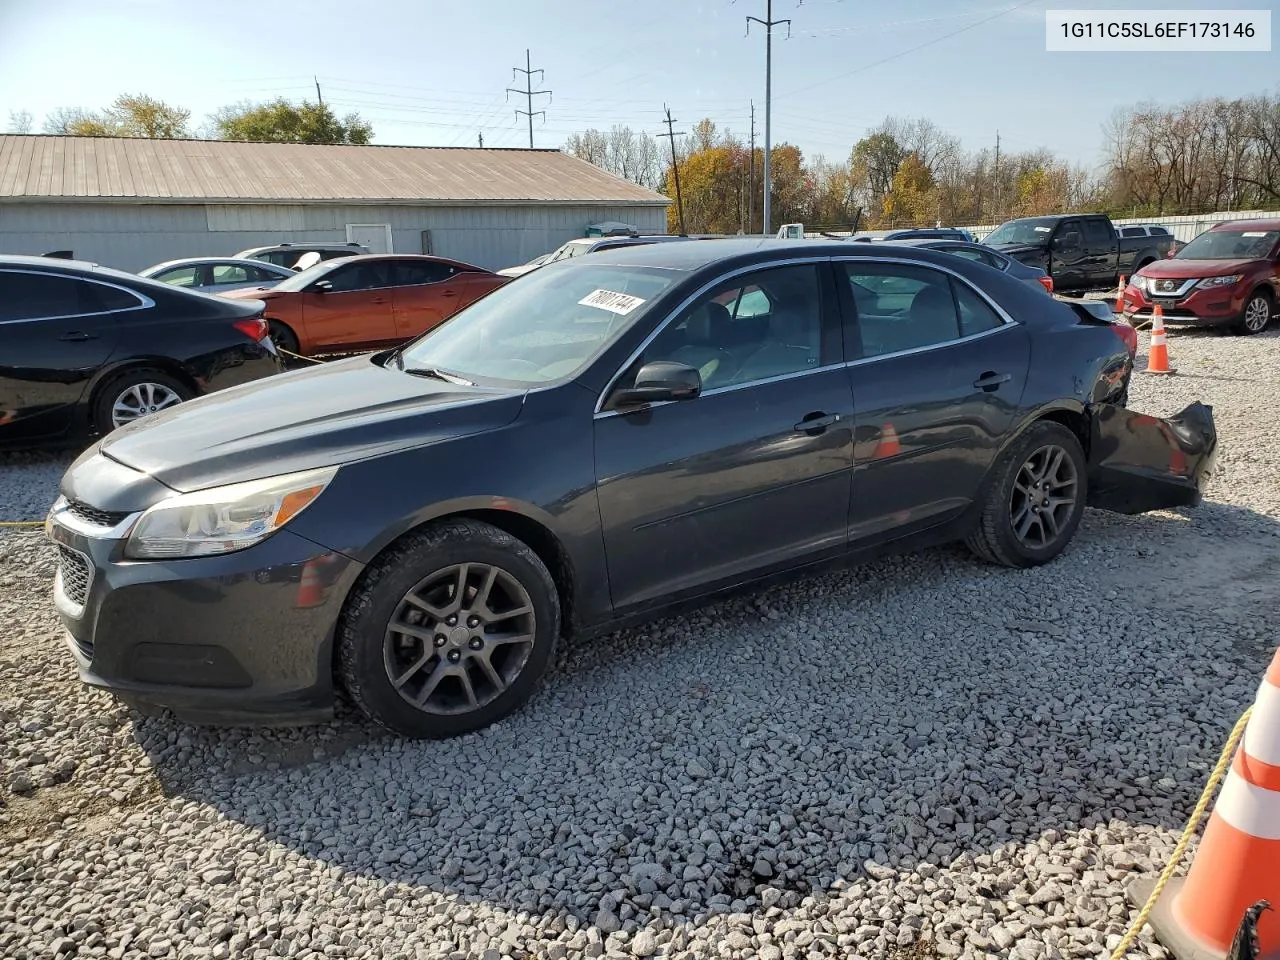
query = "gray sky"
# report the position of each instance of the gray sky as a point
(434, 72)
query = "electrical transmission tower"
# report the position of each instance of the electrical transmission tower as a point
(529, 93)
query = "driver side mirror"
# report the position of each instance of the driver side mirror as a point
(1068, 241)
(658, 382)
(322, 286)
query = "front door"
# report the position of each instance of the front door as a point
(937, 378)
(1068, 257)
(355, 310)
(375, 237)
(751, 475)
(55, 333)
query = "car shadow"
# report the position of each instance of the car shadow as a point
(666, 768)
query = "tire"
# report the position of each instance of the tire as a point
(284, 338)
(131, 389)
(1256, 314)
(995, 538)
(428, 565)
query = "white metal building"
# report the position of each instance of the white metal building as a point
(129, 203)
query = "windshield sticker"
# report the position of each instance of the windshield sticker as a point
(619, 303)
(1042, 229)
(1254, 233)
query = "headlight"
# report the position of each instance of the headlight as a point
(223, 519)
(1140, 283)
(1220, 281)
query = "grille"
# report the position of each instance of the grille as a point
(75, 573)
(101, 518)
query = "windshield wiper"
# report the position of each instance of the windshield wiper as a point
(435, 373)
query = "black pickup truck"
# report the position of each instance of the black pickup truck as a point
(1079, 251)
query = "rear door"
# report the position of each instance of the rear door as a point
(422, 295)
(356, 311)
(936, 377)
(57, 331)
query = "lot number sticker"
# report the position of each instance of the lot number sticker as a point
(619, 303)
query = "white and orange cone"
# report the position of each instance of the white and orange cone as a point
(889, 445)
(310, 590)
(1238, 861)
(1158, 353)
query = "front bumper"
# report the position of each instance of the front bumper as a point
(1199, 308)
(1139, 463)
(241, 638)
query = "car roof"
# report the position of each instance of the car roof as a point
(937, 242)
(695, 256)
(238, 261)
(1236, 225)
(423, 257)
(304, 247)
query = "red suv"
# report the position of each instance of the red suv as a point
(1227, 276)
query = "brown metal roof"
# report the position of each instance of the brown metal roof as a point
(54, 167)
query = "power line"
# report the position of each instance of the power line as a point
(909, 50)
(769, 23)
(675, 167)
(529, 93)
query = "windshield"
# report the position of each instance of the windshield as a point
(300, 280)
(1031, 230)
(1230, 245)
(545, 326)
(573, 248)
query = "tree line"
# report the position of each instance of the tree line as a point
(1193, 157)
(139, 115)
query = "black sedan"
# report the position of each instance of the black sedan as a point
(980, 254)
(85, 348)
(609, 437)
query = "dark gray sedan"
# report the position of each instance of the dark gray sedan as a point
(980, 254)
(609, 437)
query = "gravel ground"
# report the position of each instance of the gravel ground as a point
(919, 757)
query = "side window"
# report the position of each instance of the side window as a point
(1133, 232)
(965, 253)
(976, 315)
(727, 349)
(1097, 232)
(1069, 235)
(230, 273)
(264, 276)
(408, 273)
(33, 296)
(348, 278)
(181, 276)
(113, 298)
(280, 258)
(901, 307)
(1160, 232)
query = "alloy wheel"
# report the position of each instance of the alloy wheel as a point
(1256, 314)
(141, 400)
(459, 638)
(1045, 491)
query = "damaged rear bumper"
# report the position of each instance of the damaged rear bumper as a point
(1138, 462)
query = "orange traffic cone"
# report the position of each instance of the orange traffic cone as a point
(1238, 862)
(888, 445)
(1158, 354)
(310, 590)
(1124, 282)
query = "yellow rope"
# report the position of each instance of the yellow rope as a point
(21, 523)
(1210, 789)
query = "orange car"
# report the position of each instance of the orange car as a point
(367, 302)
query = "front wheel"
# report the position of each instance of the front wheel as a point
(449, 631)
(1256, 315)
(1034, 503)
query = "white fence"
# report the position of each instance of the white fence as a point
(1184, 228)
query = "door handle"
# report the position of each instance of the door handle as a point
(815, 423)
(449, 293)
(78, 335)
(378, 300)
(990, 381)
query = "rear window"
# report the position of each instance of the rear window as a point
(1133, 232)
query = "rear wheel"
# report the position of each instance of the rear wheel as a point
(283, 337)
(1035, 501)
(136, 394)
(1256, 314)
(449, 631)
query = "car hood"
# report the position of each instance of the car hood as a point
(1174, 269)
(323, 416)
(257, 292)
(1017, 250)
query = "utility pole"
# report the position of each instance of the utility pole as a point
(675, 167)
(768, 23)
(318, 97)
(529, 93)
(751, 183)
(995, 177)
